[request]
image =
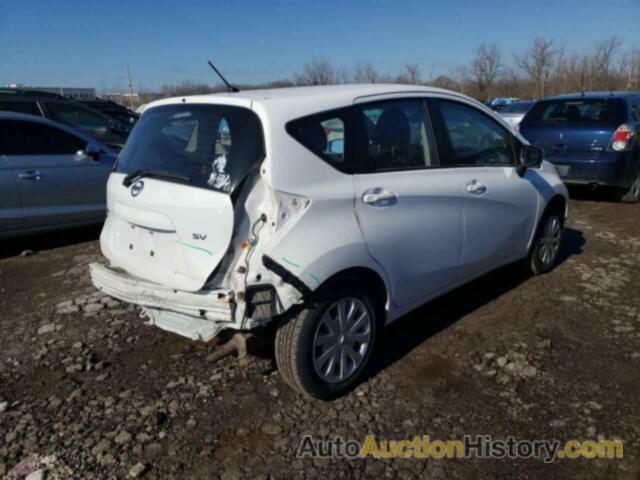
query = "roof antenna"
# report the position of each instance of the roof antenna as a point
(229, 86)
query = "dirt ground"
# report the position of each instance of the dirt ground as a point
(87, 390)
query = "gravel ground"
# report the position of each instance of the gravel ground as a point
(87, 390)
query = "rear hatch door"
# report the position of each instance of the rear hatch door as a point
(171, 214)
(573, 131)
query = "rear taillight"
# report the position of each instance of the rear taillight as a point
(621, 139)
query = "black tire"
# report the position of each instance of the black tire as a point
(631, 194)
(294, 346)
(536, 262)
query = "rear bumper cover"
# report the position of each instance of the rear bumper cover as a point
(199, 315)
(613, 170)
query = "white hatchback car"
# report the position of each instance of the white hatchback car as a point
(330, 210)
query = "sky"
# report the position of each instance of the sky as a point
(88, 43)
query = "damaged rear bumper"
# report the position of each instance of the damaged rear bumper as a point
(199, 316)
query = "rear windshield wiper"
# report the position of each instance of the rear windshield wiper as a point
(138, 174)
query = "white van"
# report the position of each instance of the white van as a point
(331, 210)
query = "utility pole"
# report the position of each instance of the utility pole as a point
(131, 106)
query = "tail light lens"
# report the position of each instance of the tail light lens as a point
(621, 139)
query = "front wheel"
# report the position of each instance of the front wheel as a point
(323, 350)
(546, 247)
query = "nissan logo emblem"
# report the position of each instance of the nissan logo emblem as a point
(137, 188)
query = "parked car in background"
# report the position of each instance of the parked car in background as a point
(104, 129)
(592, 138)
(499, 103)
(362, 203)
(515, 112)
(51, 176)
(115, 110)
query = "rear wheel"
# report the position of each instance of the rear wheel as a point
(323, 350)
(632, 194)
(544, 252)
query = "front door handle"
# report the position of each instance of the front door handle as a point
(476, 188)
(30, 175)
(379, 197)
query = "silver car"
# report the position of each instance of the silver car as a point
(51, 176)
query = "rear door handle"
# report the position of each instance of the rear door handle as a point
(30, 175)
(379, 197)
(476, 188)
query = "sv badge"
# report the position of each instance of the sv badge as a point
(199, 236)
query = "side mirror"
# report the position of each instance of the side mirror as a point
(91, 150)
(530, 157)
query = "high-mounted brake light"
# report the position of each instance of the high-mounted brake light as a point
(621, 138)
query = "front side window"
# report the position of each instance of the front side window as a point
(324, 135)
(474, 137)
(213, 146)
(18, 137)
(395, 135)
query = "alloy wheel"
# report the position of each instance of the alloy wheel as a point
(550, 240)
(342, 340)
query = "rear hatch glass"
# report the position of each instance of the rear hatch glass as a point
(605, 111)
(214, 146)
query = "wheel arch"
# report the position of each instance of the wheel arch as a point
(557, 203)
(364, 277)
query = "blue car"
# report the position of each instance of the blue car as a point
(592, 138)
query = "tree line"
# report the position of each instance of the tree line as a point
(544, 68)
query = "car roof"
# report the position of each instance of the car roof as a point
(347, 92)
(22, 92)
(595, 95)
(295, 102)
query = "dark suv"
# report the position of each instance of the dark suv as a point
(592, 138)
(107, 130)
(111, 108)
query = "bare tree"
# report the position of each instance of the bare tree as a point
(603, 62)
(486, 68)
(460, 75)
(413, 73)
(510, 83)
(317, 72)
(342, 75)
(630, 69)
(537, 62)
(365, 73)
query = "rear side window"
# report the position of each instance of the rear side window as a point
(325, 135)
(474, 137)
(395, 135)
(19, 137)
(214, 146)
(605, 111)
(30, 108)
(77, 117)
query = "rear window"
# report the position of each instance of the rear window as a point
(606, 111)
(215, 146)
